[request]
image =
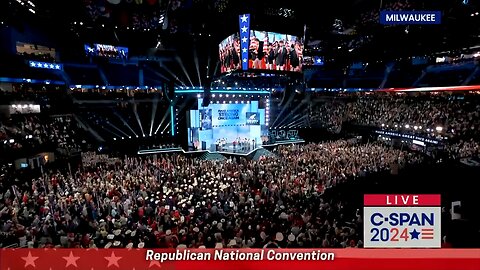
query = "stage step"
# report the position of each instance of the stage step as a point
(212, 156)
(262, 152)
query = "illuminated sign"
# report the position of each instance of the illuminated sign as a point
(228, 115)
(406, 136)
(36, 64)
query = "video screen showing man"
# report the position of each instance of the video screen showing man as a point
(206, 118)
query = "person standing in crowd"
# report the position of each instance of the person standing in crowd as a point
(294, 61)
(299, 51)
(236, 53)
(257, 64)
(253, 51)
(281, 56)
(270, 59)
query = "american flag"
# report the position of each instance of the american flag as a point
(426, 233)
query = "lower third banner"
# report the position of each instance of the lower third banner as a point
(251, 259)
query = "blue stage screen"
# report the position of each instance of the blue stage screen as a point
(225, 121)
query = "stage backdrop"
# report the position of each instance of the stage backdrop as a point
(225, 121)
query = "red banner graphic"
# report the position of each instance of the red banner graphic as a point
(248, 259)
(401, 200)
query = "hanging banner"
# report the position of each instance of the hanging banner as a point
(244, 39)
(240, 259)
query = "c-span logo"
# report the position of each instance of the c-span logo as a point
(402, 221)
(410, 17)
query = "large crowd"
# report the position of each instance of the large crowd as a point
(178, 201)
(435, 116)
(173, 200)
(32, 131)
(452, 119)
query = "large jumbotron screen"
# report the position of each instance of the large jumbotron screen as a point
(267, 51)
(228, 121)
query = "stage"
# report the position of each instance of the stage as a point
(223, 151)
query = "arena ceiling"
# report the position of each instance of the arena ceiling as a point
(202, 24)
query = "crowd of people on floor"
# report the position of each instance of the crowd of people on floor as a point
(178, 201)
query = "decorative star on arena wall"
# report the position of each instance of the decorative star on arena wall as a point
(244, 38)
(36, 64)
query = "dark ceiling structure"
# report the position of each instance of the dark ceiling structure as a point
(342, 31)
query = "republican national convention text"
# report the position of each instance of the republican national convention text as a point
(237, 255)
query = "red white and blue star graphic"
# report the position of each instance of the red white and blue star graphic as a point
(79, 259)
(244, 38)
(36, 64)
